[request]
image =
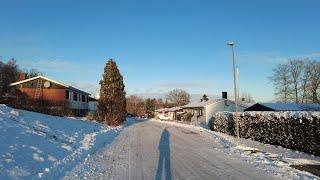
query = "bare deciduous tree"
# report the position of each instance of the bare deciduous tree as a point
(305, 81)
(281, 80)
(314, 69)
(178, 97)
(135, 106)
(300, 78)
(296, 69)
(246, 97)
(159, 103)
(33, 73)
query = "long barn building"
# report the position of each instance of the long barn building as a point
(43, 88)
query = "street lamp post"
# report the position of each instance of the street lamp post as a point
(232, 44)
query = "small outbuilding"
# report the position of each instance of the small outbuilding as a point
(168, 113)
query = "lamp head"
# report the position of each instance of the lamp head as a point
(230, 43)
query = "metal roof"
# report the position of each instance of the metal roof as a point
(290, 106)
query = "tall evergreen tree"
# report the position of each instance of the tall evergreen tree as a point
(150, 106)
(112, 101)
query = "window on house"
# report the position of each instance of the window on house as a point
(199, 113)
(83, 98)
(67, 94)
(75, 96)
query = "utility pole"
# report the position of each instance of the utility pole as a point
(235, 83)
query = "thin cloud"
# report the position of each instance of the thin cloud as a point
(262, 58)
(51, 65)
(91, 88)
(57, 65)
(272, 57)
(194, 97)
(185, 85)
(315, 55)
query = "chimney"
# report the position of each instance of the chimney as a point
(22, 76)
(224, 95)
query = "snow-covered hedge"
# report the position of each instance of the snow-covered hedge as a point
(294, 130)
(223, 122)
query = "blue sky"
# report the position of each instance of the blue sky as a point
(161, 45)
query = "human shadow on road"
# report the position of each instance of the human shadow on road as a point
(164, 158)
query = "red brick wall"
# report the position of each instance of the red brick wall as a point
(47, 94)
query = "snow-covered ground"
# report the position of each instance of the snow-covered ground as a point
(34, 145)
(276, 160)
(168, 150)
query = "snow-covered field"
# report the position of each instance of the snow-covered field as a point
(34, 145)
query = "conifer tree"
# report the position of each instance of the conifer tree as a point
(112, 101)
(204, 98)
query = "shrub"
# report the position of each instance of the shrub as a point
(91, 116)
(294, 130)
(187, 117)
(56, 108)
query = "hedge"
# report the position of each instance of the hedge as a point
(291, 129)
(23, 101)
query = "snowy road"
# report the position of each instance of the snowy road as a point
(151, 150)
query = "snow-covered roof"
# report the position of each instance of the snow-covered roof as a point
(160, 110)
(213, 101)
(168, 109)
(201, 104)
(289, 106)
(45, 78)
(246, 105)
(174, 109)
(204, 103)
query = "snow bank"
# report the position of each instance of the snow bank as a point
(291, 129)
(34, 145)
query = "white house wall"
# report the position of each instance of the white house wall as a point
(219, 106)
(93, 105)
(77, 104)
